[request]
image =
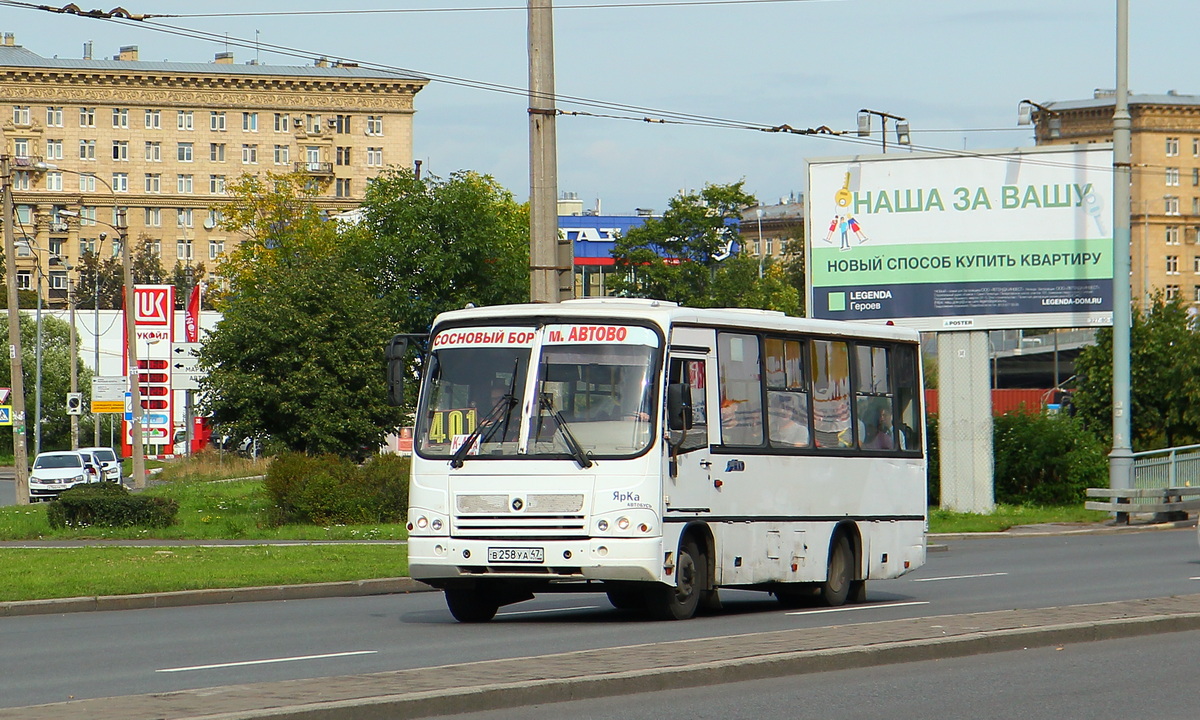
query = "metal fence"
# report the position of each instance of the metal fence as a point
(1169, 467)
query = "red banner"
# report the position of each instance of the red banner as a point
(191, 318)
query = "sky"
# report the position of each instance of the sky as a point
(956, 69)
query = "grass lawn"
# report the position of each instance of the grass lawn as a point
(44, 573)
(1007, 516)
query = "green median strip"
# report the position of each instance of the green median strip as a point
(46, 573)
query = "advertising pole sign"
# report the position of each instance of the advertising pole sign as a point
(981, 241)
(154, 316)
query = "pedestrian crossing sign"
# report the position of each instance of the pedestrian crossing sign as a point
(5, 414)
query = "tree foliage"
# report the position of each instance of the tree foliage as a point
(56, 382)
(686, 256)
(297, 356)
(429, 245)
(1164, 378)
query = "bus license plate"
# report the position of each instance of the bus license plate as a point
(516, 555)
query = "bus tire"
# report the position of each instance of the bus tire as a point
(679, 601)
(858, 592)
(470, 606)
(626, 598)
(840, 573)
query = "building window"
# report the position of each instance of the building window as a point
(21, 180)
(375, 125)
(341, 124)
(54, 116)
(87, 182)
(1172, 235)
(21, 115)
(87, 149)
(153, 182)
(153, 152)
(216, 152)
(216, 184)
(1172, 147)
(282, 154)
(183, 152)
(283, 122)
(1172, 177)
(249, 122)
(87, 215)
(770, 242)
(1195, 147)
(154, 119)
(313, 123)
(21, 147)
(87, 246)
(184, 120)
(183, 249)
(54, 149)
(183, 184)
(1172, 264)
(153, 217)
(120, 117)
(25, 279)
(183, 217)
(312, 156)
(374, 157)
(155, 247)
(87, 117)
(58, 278)
(342, 187)
(342, 156)
(216, 248)
(215, 218)
(1171, 205)
(216, 121)
(120, 182)
(54, 181)
(120, 150)
(1172, 292)
(249, 154)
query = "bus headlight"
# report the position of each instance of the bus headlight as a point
(423, 522)
(630, 523)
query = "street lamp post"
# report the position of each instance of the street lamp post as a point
(16, 372)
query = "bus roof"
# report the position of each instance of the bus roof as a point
(666, 313)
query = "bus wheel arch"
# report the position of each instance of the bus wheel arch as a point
(844, 581)
(691, 573)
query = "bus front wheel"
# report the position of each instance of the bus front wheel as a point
(471, 606)
(840, 574)
(679, 602)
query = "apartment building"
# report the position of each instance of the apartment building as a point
(1165, 192)
(163, 140)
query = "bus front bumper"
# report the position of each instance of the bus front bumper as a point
(624, 559)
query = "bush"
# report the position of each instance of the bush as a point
(109, 505)
(933, 468)
(1046, 459)
(330, 490)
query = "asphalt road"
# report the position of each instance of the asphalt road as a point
(1146, 677)
(8, 494)
(143, 651)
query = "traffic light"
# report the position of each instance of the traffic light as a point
(74, 403)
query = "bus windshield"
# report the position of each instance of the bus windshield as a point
(594, 393)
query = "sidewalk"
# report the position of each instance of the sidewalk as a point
(660, 666)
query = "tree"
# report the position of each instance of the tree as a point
(56, 382)
(298, 355)
(1164, 364)
(685, 256)
(429, 245)
(111, 277)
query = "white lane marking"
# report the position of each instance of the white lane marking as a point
(267, 662)
(858, 607)
(549, 610)
(959, 577)
(1194, 578)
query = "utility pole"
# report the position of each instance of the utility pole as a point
(551, 257)
(1120, 459)
(71, 299)
(17, 374)
(139, 450)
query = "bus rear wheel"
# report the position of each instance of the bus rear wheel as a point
(679, 602)
(840, 574)
(471, 606)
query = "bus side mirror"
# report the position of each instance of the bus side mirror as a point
(679, 406)
(397, 349)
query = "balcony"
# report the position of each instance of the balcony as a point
(319, 169)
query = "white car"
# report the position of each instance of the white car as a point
(109, 462)
(54, 472)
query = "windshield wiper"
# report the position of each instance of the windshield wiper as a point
(491, 423)
(572, 444)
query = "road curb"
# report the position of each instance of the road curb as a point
(351, 588)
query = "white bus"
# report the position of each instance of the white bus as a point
(659, 453)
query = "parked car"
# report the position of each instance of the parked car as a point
(110, 464)
(54, 472)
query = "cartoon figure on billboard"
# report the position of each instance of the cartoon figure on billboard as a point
(846, 223)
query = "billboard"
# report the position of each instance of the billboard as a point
(154, 321)
(965, 241)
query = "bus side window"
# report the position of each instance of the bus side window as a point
(740, 376)
(692, 372)
(908, 400)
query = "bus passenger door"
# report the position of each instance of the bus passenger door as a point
(688, 484)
